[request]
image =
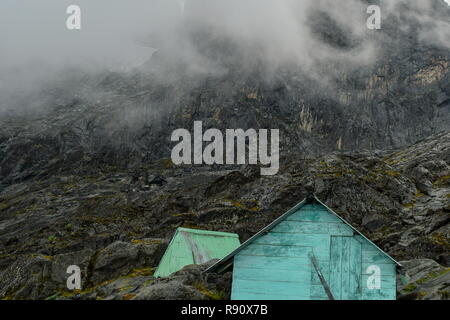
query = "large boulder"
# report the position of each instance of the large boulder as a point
(423, 279)
(190, 283)
(120, 258)
(27, 278)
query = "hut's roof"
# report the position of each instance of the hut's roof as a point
(227, 261)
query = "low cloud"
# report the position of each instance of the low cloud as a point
(37, 48)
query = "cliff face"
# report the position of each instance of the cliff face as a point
(115, 223)
(87, 173)
(399, 96)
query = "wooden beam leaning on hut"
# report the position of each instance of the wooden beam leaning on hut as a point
(321, 277)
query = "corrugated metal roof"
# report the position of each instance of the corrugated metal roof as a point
(226, 261)
(193, 246)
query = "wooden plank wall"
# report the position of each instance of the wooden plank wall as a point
(177, 255)
(277, 265)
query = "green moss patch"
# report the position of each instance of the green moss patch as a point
(432, 276)
(213, 295)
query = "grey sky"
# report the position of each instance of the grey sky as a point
(34, 41)
(118, 30)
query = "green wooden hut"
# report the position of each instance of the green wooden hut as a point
(192, 246)
(310, 253)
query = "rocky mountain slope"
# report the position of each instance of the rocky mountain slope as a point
(86, 178)
(116, 223)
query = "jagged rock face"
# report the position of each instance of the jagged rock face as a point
(123, 119)
(107, 222)
(423, 279)
(76, 175)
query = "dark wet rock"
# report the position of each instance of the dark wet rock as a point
(120, 258)
(158, 180)
(61, 262)
(27, 278)
(113, 231)
(423, 279)
(189, 283)
(373, 222)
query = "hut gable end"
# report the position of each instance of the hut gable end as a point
(310, 253)
(192, 246)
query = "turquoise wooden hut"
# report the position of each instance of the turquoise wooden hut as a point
(310, 253)
(193, 246)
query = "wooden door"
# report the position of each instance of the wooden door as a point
(345, 268)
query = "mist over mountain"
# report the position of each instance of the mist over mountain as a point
(311, 69)
(319, 37)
